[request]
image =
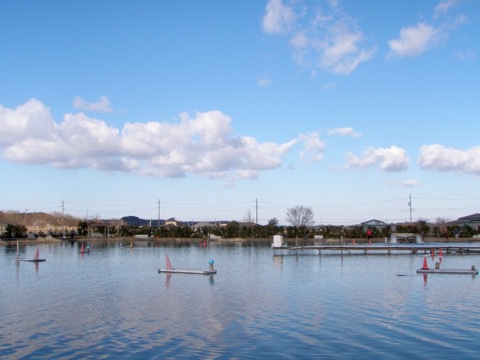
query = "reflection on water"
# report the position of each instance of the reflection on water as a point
(113, 303)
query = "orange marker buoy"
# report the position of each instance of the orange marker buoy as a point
(425, 265)
(432, 252)
(440, 252)
(353, 242)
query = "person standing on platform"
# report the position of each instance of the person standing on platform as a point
(369, 236)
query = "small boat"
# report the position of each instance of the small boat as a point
(187, 271)
(36, 258)
(84, 250)
(170, 270)
(426, 270)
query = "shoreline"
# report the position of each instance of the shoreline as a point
(216, 241)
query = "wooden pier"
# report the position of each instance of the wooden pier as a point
(383, 249)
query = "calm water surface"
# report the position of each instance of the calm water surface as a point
(113, 304)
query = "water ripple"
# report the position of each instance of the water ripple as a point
(113, 304)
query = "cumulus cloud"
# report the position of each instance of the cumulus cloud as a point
(102, 105)
(442, 158)
(341, 52)
(30, 119)
(387, 159)
(202, 145)
(279, 18)
(416, 39)
(345, 131)
(321, 39)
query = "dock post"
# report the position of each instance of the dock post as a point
(211, 264)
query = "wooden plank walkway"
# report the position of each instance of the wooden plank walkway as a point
(389, 248)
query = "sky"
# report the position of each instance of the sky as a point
(236, 110)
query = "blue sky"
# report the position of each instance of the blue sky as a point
(206, 107)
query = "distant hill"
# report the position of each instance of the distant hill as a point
(135, 221)
(39, 220)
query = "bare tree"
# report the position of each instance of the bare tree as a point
(300, 216)
(248, 218)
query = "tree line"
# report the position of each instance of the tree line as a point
(300, 224)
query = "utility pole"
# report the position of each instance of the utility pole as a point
(256, 211)
(158, 225)
(63, 212)
(410, 206)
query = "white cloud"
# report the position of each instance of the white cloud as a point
(203, 145)
(441, 158)
(346, 131)
(387, 159)
(75, 143)
(409, 183)
(313, 147)
(102, 105)
(466, 55)
(415, 40)
(27, 120)
(340, 52)
(278, 18)
(263, 80)
(444, 7)
(320, 39)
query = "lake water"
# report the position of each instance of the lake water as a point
(113, 303)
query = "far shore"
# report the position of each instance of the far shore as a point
(219, 241)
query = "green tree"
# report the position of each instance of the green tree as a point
(82, 228)
(15, 231)
(232, 230)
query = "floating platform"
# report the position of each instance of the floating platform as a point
(171, 270)
(468, 251)
(35, 259)
(32, 260)
(449, 271)
(187, 271)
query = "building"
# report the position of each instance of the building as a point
(471, 220)
(373, 224)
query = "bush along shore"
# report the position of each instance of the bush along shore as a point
(158, 241)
